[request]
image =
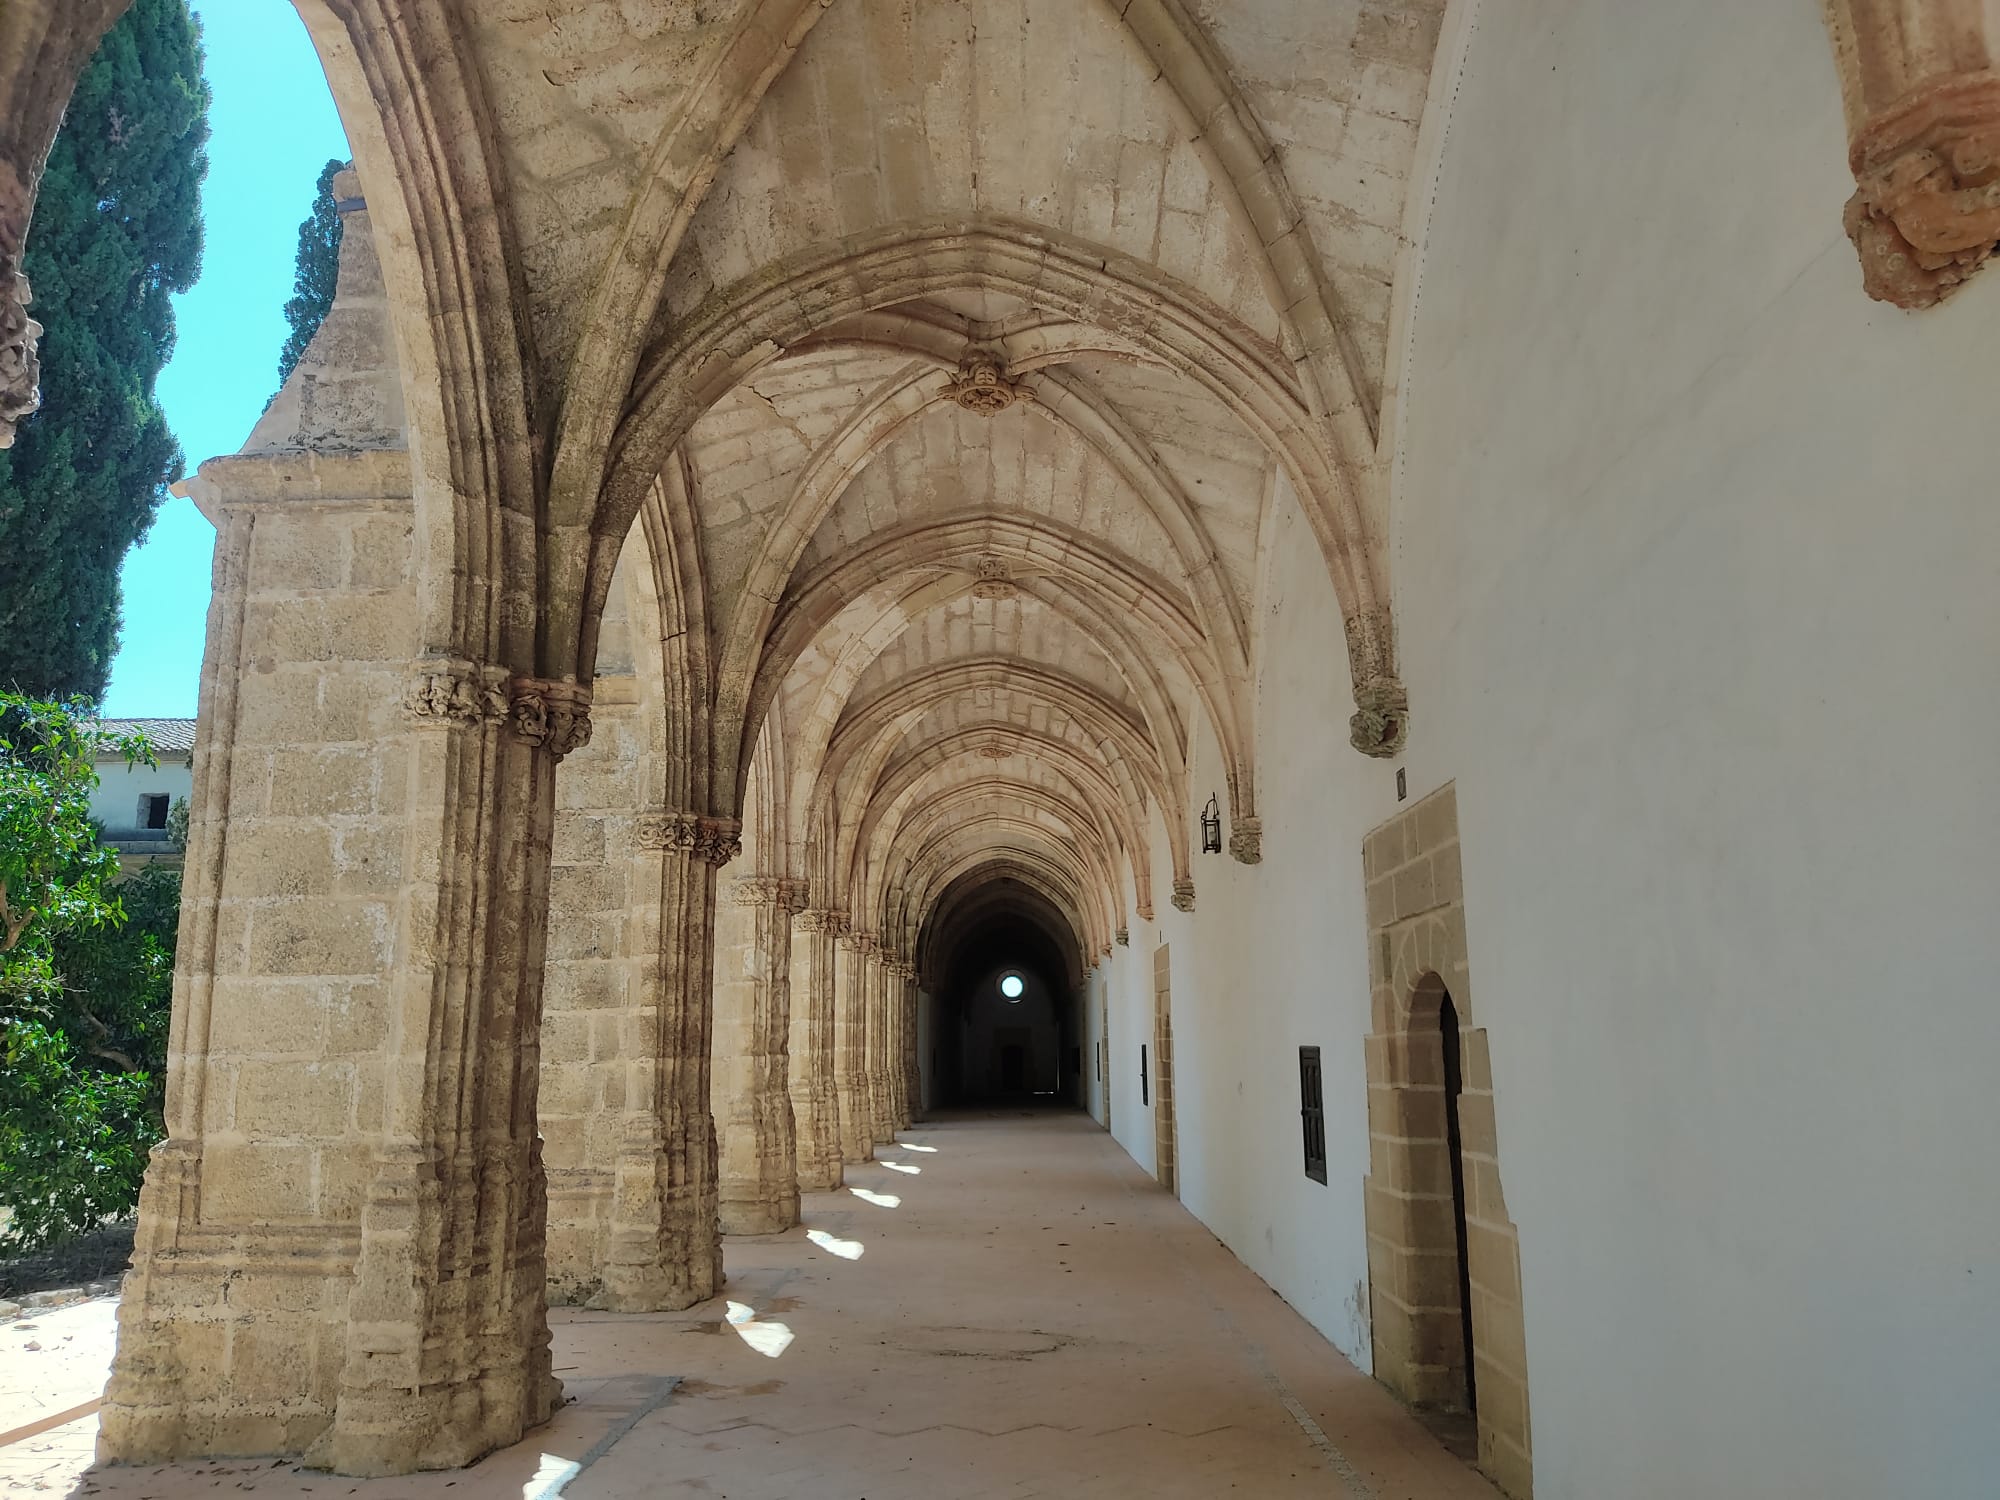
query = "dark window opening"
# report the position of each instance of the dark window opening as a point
(1454, 1085)
(1145, 1090)
(1312, 1113)
(153, 810)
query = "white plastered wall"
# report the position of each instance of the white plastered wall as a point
(1273, 958)
(1699, 601)
(1695, 552)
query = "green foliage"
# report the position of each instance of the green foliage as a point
(116, 231)
(318, 271)
(85, 980)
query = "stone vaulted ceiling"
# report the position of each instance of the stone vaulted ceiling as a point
(931, 374)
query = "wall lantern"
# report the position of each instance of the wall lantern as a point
(1211, 828)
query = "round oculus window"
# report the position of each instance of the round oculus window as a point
(1013, 987)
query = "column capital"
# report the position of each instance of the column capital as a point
(714, 841)
(858, 942)
(453, 690)
(757, 890)
(811, 919)
(551, 716)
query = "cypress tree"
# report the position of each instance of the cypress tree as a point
(117, 230)
(318, 271)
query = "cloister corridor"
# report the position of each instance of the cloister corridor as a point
(1001, 1304)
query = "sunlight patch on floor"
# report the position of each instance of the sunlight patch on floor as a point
(845, 1249)
(767, 1338)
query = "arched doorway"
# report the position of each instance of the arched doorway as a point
(1444, 1268)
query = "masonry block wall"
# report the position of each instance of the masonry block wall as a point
(1417, 956)
(594, 1036)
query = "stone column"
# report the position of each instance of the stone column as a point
(854, 957)
(759, 1191)
(912, 1099)
(881, 1042)
(340, 1241)
(664, 1248)
(815, 1101)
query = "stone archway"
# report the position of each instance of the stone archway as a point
(1418, 1089)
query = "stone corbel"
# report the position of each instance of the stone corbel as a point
(1246, 840)
(1124, 938)
(552, 716)
(714, 841)
(1922, 102)
(1381, 720)
(1183, 895)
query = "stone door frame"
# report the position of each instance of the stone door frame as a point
(1416, 955)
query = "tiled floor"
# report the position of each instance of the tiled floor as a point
(1003, 1306)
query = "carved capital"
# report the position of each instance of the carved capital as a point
(982, 386)
(1183, 895)
(757, 890)
(832, 922)
(858, 942)
(1246, 840)
(714, 841)
(552, 716)
(449, 690)
(1124, 938)
(1381, 721)
(792, 896)
(20, 363)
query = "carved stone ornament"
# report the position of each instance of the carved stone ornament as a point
(1381, 721)
(833, 922)
(1183, 895)
(552, 716)
(1246, 841)
(982, 386)
(714, 841)
(757, 890)
(858, 942)
(451, 691)
(1926, 212)
(20, 364)
(1124, 938)
(792, 896)
(990, 580)
(994, 752)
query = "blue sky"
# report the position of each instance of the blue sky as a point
(273, 127)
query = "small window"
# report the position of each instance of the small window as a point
(1312, 1113)
(153, 810)
(1145, 1090)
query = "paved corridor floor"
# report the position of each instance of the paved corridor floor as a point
(1002, 1305)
